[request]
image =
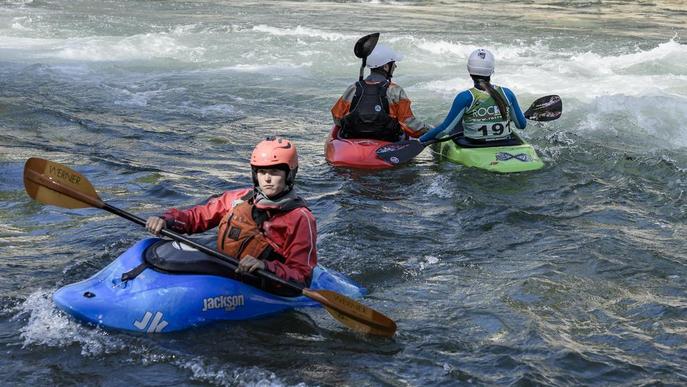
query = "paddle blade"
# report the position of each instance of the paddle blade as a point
(400, 152)
(352, 313)
(358, 326)
(50, 183)
(365, 45)
(546, 108)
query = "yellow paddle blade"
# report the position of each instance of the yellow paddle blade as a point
(352, 313)
(53, 183)
(358, 326)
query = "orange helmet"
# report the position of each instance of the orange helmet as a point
(275, 152)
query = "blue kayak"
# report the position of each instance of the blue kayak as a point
(170, 287)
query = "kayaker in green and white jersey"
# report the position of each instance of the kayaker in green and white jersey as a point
(483, 113)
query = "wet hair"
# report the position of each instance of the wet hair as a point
(484, 83)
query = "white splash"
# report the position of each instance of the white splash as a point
(438, 187)
(457, 50)
(429, 260)
(537, 69)
(136, 47)
(283, 67)
(47, 326)
(107, 48)
(226, 376)
(303, 31)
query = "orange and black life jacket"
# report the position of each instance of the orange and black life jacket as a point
(369, 114)
(241, 233)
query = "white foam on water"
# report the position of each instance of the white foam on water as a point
(443, 47)
(128, 98)
(137, 47)
(656, 118)
(666, 55)
(22, 43)
(303, 31)
(438, 187)
(414, 266)
(106, 48)
(47, 326)
(185, 29)
(217, 110)
(227, 376)
(429, 260)
(457, 50)
(389, 2)
(582, 75)
(17, 24)
(309, 53)
(19, 2)
(661, 71)
(269, 68)
(640, 93)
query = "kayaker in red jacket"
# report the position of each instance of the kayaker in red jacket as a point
(266, 227)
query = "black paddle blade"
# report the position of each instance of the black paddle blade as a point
(546, 108)
(400, 152)
(365, 45)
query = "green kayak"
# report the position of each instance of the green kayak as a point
(502, 159)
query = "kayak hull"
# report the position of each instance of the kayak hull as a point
(156, 301)
(354, 153)
(501, 159)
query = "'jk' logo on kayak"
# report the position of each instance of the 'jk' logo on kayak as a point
(156, 325)
(227, 303)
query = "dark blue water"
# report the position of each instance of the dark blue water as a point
(571, 275)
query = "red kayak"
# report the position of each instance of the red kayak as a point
(354, 152)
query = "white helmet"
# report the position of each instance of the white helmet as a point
(382, 55)
(481, 62)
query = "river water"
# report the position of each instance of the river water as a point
(574, 274)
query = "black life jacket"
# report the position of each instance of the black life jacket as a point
(369, 116)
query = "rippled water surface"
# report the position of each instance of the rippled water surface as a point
(574, 274)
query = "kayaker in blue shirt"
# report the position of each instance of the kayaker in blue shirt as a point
(483, 113)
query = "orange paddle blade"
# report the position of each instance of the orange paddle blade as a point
(352, 313)
(53, 183)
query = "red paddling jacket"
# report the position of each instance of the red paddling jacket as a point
(283, 237)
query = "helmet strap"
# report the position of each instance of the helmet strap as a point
(390, 71)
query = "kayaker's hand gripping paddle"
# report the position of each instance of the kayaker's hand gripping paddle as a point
(53, 183)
